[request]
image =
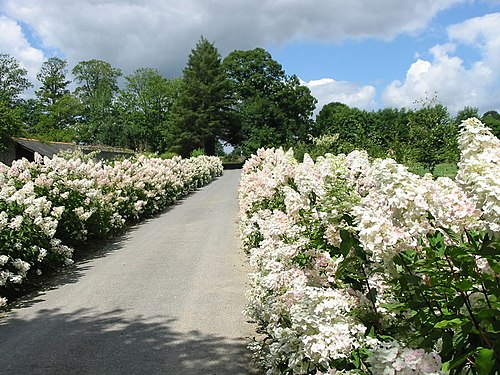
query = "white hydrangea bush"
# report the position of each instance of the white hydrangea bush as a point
(479, 170)
(49, 205)
(303, 223)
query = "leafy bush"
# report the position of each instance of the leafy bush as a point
(197, 152)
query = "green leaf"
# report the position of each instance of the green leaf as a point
(412, 279)
(437, 241)
(457, 362)
(485, 361)
(464, 285)
(487, 313)
(346, 244)
(495, 266)
(453, 323)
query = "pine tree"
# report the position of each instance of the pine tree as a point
(202, 109)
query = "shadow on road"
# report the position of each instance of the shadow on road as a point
(86, 342)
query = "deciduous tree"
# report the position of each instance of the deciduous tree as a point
(272, 109)
(98, 84)
(349, 123)
(492, 120)
(52, 76)
(58, 110)
(13, 83)
(144, 106)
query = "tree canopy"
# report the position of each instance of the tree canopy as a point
(98, 84)
(271, 108)
(54, 84)
(13, 82)
(144, 106)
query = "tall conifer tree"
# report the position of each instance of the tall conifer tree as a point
(202, 110)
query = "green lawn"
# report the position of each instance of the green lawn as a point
(442, 170)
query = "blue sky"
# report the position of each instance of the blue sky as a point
(365, 53)
(374, 59)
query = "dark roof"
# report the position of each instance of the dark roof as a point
(44, 148)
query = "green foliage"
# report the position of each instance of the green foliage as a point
(167, 155)
(54, 86)
(60, 122)
(97, 81)
(55, 113)
(197, 152)
(388, 128)
(247, 101)
(13, 81)
(453, 298)
(466, 113)
(144, 106)
(432, 136)
(272, 109)
(441, 170)
(446, 294)
(422, 138)
(347, 124)
(10, 122)
(492, 120)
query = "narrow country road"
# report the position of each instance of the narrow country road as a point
(166, 298)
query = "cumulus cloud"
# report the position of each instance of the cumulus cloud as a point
(455, 84)
(328, 90)
(156, 33)
(483, 33)
(14, 43)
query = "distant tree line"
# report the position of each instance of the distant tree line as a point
(427, 136)
(245, 100)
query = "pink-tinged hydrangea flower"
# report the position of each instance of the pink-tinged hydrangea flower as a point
(392, 358)
(280, 287)
(402, 208)
(303, 206)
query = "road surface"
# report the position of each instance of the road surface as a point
(166, 298)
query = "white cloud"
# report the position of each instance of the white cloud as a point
(455, 84)
(160, 34)
(157, 33)
(483, 33)
(14, 43)
(327, 90)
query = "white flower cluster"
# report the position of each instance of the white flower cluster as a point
(400, 208)
(479, 170)
(390, 358)
(308, 323)
(293, 225)
(49, 204)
